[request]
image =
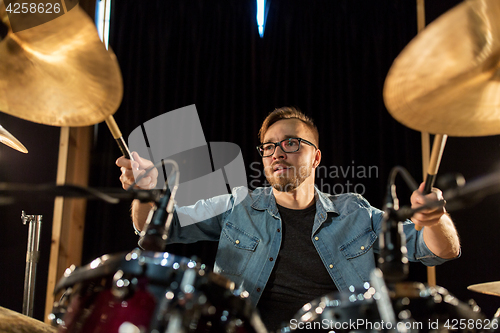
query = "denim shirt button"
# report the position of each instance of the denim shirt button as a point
(271, 259)
(237, 241)
(278, 230)
(258, 290)
(316, 238)
(331, 266)
(362, 248)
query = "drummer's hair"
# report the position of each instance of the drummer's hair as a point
(288, 112)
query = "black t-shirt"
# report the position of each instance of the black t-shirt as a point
(299, 276)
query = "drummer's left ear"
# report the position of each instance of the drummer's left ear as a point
(317, 158)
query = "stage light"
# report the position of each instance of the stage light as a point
(102, 14)
(261, 16)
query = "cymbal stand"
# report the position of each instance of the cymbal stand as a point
(32, 257)
(393, 260)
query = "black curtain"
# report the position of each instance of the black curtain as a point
(329, 58)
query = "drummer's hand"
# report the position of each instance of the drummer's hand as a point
(132, 170)
(427, 217)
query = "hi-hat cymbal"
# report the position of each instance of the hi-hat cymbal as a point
(490, 288)
(447, 79)
(58, 73)
(9, 140)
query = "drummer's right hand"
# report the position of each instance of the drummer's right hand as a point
(131, 170)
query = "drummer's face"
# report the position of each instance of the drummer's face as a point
(287, 171)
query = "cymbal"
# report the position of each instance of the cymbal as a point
(9, 140)
(58, 73)
(447, 79)
(13, 322)
(490, 288)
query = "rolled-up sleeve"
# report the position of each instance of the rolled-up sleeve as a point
(415, 244)
(418, 250)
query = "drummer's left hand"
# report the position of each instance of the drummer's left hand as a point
(427, 217)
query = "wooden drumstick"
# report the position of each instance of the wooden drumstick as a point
(437, 153)
(117, 134)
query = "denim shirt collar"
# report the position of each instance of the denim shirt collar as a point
(263, 199)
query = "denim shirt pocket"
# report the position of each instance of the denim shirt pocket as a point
(358, 251)
(236, 247)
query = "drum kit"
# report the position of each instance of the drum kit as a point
(446, 82)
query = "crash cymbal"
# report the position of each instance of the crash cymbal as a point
(9, 140)
(58, 73)
(447, 79)
(490, 288)
(13, 322)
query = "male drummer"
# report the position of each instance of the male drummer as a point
(290, 243)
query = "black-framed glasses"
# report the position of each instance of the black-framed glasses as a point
(290, 145)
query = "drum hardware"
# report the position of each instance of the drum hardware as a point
(32, 257)
(154, 235)
(9, 192)
(175, 323)
(383, 301)
(495, 322)
(56, 317)
(59, 307)
(393, 261)
(9, 140)
(179, 294)
(473, 305)
(122, 287)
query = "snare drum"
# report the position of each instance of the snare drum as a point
(413, 306)
(141, 292)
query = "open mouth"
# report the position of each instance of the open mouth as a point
(278, 169)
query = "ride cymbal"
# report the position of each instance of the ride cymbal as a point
(447, 79)
(9, 140)
(58, 73)
(490, 288)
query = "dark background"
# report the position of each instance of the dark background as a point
(329, 58)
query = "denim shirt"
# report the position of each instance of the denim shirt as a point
(344, 233)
